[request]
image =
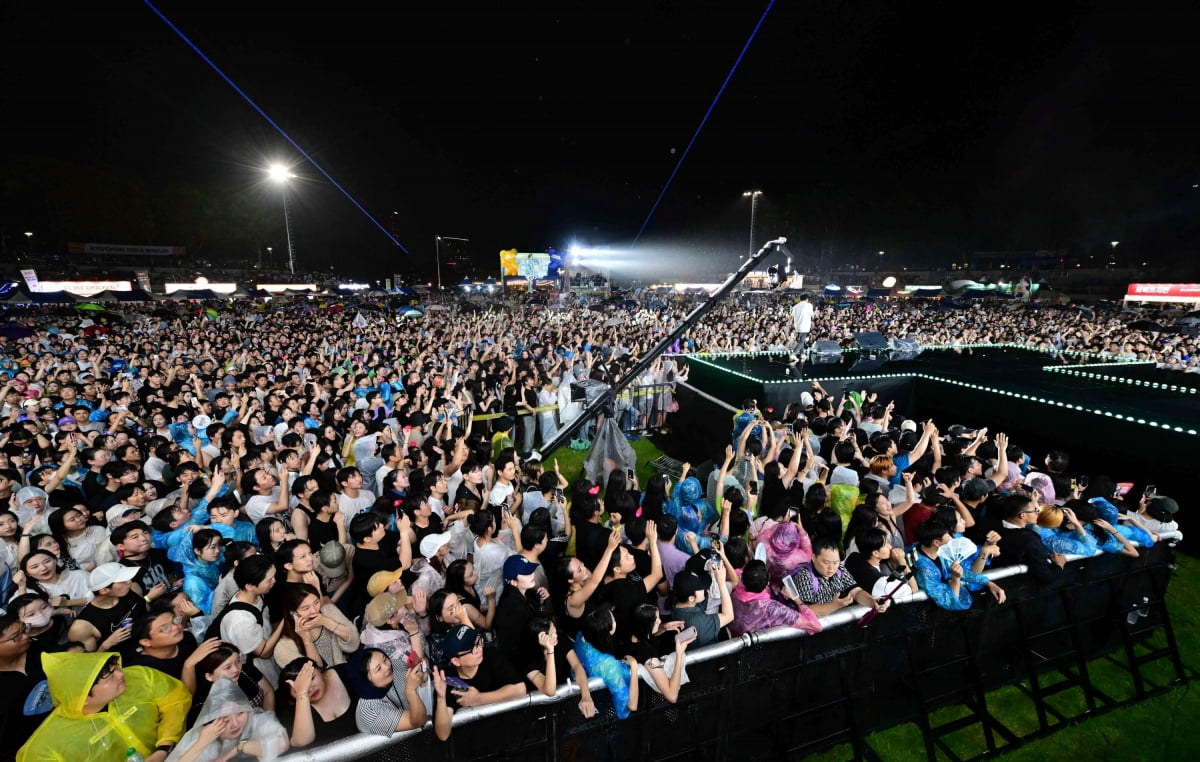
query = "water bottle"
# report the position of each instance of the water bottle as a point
(133, 755)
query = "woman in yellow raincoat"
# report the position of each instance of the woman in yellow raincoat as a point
(101, 711)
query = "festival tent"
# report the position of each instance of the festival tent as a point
(104, 297)
(197, 293)
(135, 295)
(22, 295)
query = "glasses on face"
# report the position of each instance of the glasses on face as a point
(1030, 510)
(109, 668)
(23, 632)
(477, 648)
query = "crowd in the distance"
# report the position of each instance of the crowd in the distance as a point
(275, 529)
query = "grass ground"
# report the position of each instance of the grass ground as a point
(1166, 727)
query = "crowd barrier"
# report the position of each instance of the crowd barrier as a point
(779, 694)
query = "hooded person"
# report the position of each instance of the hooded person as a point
(101, 711)
(692, 512)
(229, 723)
(33, 503)
(788, 548)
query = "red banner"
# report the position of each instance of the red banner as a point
(1181, 290)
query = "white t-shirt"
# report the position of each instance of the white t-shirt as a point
(352, 506)
(802, 314)
(257, 506)
(500, 493)
(381, 474)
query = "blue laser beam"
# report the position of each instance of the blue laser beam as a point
(703, 121)
(271, 122)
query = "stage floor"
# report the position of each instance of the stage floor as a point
(1137, 393)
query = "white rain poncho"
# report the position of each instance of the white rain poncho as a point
(227, 699)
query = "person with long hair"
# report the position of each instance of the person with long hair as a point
(658, 650)
(224, 660)
(303, 514)
(21, 678)
(461, 579)
(327, 525)
(388, 698)
(81, 541)
(314, 704)
(271, 532)
(597, 652)
(491, 548)
(10, 538)
(67, 589)
(313, 628)
(46, 625)
(229, 725)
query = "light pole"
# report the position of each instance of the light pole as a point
(280, 175)
(753, 196)
(437, 253)
(28, 242)
(1113, 260)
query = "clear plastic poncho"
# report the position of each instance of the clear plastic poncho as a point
(225, 699)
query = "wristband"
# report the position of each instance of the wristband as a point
(166, 748)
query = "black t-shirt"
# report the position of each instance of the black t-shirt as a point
(864, 574)
(55, 638)
(107, 621)
(153, 569)
(625, 595)
(511, 626)
(590, 541)
(327, 731)
(24, 703)
(643, 563)
(172, 666)
(493, 674)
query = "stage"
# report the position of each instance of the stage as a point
(1128, 420)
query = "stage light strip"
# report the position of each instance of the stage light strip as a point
(1000, 345)
(1059, 403)
(966, 385)
(271, 122)
(1074, 371)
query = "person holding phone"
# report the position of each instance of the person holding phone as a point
(754, 609)
(825, 586)
(691, 590)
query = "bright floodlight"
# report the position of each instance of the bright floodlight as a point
(279, 173)
(889, 281)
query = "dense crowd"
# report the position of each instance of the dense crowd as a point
(235, 533)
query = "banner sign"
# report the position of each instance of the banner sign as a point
(84, 287)
(1181, 290)
(31, 280)
(143, 279)
(126, 250)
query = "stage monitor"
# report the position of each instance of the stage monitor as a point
(824, 353)
(905, 349)
(871, 341)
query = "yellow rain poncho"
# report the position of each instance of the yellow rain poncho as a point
(151, 711)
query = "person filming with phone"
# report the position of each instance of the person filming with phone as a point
(691, 590)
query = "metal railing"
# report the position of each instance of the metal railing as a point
(730, 674)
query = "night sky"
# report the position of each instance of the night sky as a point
(928, 130)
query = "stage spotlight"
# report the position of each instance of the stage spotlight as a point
(889, 281)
